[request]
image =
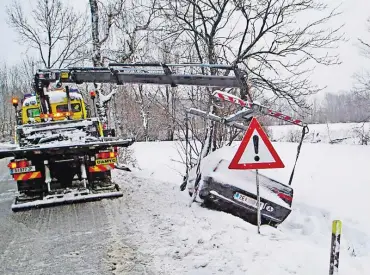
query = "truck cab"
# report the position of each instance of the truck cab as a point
(30, 110)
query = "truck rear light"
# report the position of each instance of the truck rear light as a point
(19, 164)
(106, 155)
(23, 163)
(103, 155)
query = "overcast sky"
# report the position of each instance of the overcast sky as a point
(355, 13)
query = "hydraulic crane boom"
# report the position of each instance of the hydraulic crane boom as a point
(168, 74)
(162, 74)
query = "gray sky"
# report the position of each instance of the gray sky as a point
(355, 13)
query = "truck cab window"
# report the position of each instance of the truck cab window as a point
(34, 112)
(76, 107)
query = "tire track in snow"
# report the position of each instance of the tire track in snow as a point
(124, 258)
(172, 238)
(69, 239)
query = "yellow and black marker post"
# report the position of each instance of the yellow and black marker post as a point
(335, 247)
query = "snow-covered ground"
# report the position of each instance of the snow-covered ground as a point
(339, 133)
(331, 182)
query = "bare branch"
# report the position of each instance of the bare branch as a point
(55, 31)
(365, 44)
(271, 45)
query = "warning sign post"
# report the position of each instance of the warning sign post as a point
(256, 152)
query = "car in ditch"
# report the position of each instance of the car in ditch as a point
(234, 191)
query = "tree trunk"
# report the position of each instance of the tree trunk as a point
(144, 112)
(96, 58)
(173, 121)
(145, 120)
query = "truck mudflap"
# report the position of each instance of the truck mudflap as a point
(68, 196)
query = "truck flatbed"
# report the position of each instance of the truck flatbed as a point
(53, 148)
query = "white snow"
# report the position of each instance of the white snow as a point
(331, 182)
(55, 97)
(7, 146)
(53, 126)
(60, 96)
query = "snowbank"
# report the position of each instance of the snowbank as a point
(331, 182)
(8, 146)
(343, 133)
(331, 177)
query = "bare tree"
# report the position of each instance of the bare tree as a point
(134, 32)
(102, 20)
(277, 51)
(365, 43)
(11, 85)
(56, 32)
(361, 88)
(103, 17)
(124, 20)
(134, 41)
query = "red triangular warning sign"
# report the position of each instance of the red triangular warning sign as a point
(256, 151)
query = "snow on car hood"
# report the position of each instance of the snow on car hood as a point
(243, 179)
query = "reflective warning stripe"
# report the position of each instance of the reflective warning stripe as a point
(101, 168)
(27, 176)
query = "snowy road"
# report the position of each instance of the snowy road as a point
(72, 239)
(61, 240)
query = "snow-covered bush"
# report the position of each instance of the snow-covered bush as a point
(126, 156)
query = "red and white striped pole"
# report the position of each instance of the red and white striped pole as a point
(263, 109)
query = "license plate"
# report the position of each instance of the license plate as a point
(247, 200)
(22, 170)
(105, 161)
